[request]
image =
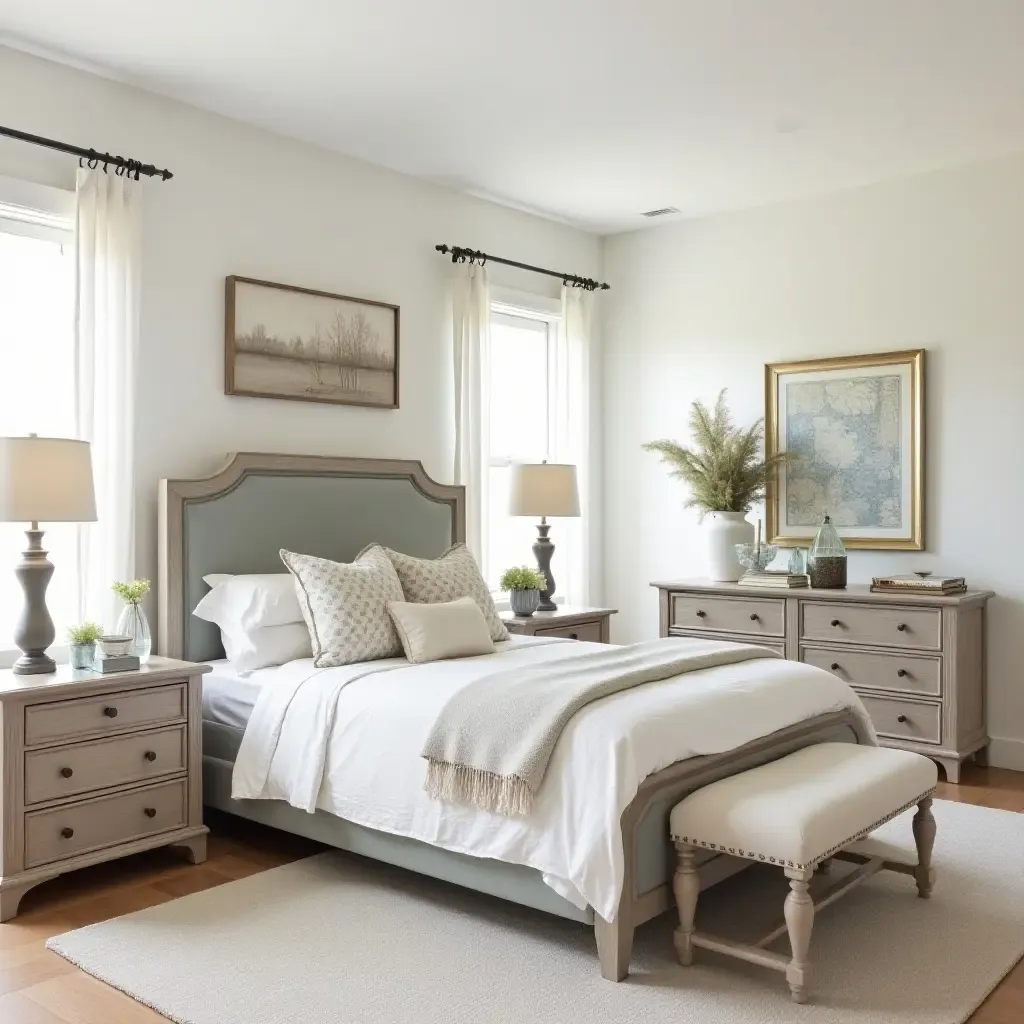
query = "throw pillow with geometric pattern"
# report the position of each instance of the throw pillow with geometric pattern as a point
(455, 574)
(345, 606)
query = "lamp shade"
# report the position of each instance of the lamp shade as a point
(543, 489)
(46, 480)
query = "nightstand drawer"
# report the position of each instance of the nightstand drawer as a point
(581, 631)
(879, 671)
(904, 719)
(879, 627)
(67, 771)
(106, 714)
(754, 616)
(107, 821)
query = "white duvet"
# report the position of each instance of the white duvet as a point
(348, 740)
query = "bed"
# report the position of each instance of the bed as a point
(236, 521)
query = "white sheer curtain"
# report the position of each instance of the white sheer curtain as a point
(571, 437)
(107, 291)
(471, 317)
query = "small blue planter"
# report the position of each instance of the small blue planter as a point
(524, 602)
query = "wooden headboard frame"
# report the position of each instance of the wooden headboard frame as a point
(177, 495)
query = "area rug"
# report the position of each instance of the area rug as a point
(335, 938)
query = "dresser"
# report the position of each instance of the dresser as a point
(571, 622)
(97, 767)
(917, 662)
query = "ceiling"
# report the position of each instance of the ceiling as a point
(590, 111)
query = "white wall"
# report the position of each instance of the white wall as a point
(246, 202)
(935, 262)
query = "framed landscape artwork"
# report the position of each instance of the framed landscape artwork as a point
(856, 428)
(310, 346)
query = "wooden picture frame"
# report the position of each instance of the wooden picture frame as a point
(282, 341)
(858, 422)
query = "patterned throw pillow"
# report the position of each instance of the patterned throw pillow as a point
(345, 606)
(455, 574)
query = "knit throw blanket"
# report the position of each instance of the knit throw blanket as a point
(492, 742)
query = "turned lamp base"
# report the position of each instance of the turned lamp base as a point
(543, 549)
(34, 631)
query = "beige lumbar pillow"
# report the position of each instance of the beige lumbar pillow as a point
(455, 574)
(345, 606)
(450, 629)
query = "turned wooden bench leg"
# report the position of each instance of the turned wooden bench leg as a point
(799, 913)
(686, 886)
(924, 837)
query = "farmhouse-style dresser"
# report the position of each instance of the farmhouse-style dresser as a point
(916, 661)
(96, 767)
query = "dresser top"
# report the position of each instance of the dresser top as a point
(76, 681)
(860, 592)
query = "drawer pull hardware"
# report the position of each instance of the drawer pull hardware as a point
(701, 614)
(754, 616)
(110, 712)
(902, 627)
(574, 636)
(835, 666)
(902, 672)
(150, 755)
(150, 812)
(67, 832)
(835, 623)
(66, 773)
(901, 719)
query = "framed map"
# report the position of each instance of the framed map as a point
(856, 428)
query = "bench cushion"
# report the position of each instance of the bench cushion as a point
(804, 807)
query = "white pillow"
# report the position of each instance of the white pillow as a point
(266, 646)
(448, 629)
(241, 603)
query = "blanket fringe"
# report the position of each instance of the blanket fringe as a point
(462, 784)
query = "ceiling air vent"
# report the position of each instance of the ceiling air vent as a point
(663, 212)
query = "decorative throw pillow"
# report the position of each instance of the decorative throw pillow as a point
(345, 606)
(455, 574)
(450, 629)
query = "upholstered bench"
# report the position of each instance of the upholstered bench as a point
(797, 813)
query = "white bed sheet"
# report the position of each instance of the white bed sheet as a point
(348, 740)
(228, 698)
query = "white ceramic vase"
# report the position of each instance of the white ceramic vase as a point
(724, 530)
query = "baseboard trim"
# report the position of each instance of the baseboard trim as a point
(1006, 753)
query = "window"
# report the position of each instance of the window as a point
(37, 372)
(522, 354)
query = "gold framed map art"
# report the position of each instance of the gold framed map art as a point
(855, 426)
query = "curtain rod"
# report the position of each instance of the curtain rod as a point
(124, 165)
(461, 255)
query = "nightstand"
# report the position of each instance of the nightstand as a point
(96, 767)
(568, 621)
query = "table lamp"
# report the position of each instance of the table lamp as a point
(544, 489)
(49, 480)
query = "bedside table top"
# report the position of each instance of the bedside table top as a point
(154, 671)
(564, 615)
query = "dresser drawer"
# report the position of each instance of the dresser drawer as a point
(63, 832)
(917, 675)
(754, 616)
(581, 631)
(904, 719)
(877, 626)
(106, 714)
(67, 771)
(778, 646)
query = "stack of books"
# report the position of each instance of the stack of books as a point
(782, 580)
(914, 584)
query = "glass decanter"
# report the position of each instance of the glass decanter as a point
(826, 559)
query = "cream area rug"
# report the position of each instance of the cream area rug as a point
(335, 938)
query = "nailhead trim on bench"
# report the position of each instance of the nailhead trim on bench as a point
(781, 862)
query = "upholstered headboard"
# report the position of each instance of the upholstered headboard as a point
(237, 520)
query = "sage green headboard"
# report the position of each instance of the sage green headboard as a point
(237, 520)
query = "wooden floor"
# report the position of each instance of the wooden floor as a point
(38, 987)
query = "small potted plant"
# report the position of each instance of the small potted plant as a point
(523, 585)
(82, 644)
(133, 621)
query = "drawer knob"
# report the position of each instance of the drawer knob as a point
(150, 812)
(901, 719)
(835, 666)
(110, 712)
(574, 636)
(754, 616)
(150, 755)
(66, 773)
(67, 832)
(835, 623)
(902, 627)
(701, 614)
(902, 673)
